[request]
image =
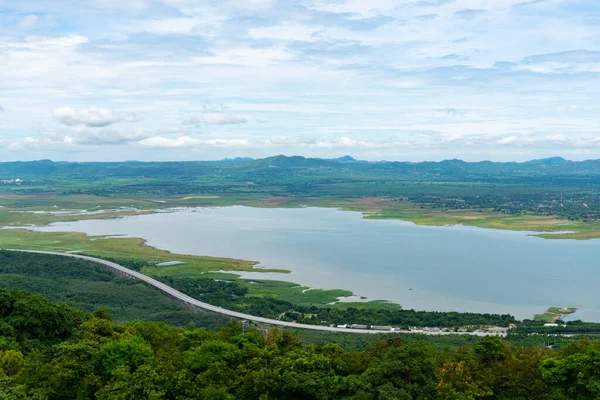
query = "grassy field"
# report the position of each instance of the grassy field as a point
(119, 248)
(294, 293)
(382, 208)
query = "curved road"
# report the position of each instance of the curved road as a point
(205, 306)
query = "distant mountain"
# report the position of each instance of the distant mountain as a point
(307, 169)
(236, 159)
(548, 161)
(345, 159)
(282, 161)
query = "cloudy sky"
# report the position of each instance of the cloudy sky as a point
(376, 79)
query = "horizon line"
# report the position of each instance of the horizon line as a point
(244, 158)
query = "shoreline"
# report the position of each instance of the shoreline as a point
(380, 208)
(254, 267)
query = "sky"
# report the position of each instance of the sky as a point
(112, 80)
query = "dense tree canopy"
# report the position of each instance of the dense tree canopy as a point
(50, 351)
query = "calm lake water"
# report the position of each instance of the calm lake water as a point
(447, 268)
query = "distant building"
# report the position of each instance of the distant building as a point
(496, 329)
(381, 328)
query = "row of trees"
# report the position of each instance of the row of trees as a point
(233, 295)
(49, 351)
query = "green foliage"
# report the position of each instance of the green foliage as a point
(98, 359)
(11, 362)
(90, 287)
(489, 349)
(30, 319)
(128, 352)
(575, 373)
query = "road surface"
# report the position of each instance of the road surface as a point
(189, 301)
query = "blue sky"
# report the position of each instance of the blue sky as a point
(376, 79)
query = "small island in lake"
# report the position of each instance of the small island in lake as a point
(554, 314)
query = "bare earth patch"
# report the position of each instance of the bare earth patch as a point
(371, 200)
(544, 222)
(10, 196)
(460, 214)
(274, 200)
(200, 197)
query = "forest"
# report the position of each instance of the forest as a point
(88, 286)
(50, 351)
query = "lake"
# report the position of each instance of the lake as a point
(425, 268)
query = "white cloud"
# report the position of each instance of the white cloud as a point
(120, 5)
(468, 13)
(223, 119)
(30, 140)
(215, 118)
(13, 146)
(169, 25)
(195, 121)
(29, 21)
(189, 142)
(361, 7)
(341, 142)
(508, 140)
(291, 142)
(261, 3)
(285, 32)
(342, 74)
(568, 108)
(96, 136)
(47, 43)
(405, 84)
(545, 68)
(170, 130)
(162, 142)
(558, 138)
(349, 143)
(91, 117)
(250, 57)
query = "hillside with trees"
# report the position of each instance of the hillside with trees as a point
(50, 351)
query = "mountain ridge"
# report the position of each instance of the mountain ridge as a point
(338, 168)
